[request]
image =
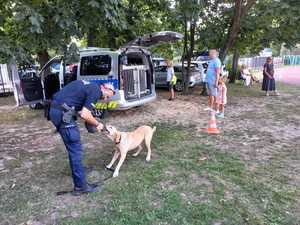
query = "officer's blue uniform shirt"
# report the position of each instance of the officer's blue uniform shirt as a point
(79, 94)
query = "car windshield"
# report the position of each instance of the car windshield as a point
(161, 69)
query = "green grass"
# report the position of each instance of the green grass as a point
(7, 100)
(239, 90)
(149, 195)
(20, 115)
(13, 114)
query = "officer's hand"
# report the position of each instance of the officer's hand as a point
(100, 127)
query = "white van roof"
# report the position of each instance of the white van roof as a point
(94, 51)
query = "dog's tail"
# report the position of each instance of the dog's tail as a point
(153, 129)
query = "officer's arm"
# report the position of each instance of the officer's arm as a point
(88, 117)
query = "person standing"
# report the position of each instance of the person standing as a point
(77, 99)
(170, 83)
(212, 79)
(222, 98)
(269, 80)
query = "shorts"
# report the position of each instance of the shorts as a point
(170, 85)
(212, 90)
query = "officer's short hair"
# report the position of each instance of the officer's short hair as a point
(109, 86)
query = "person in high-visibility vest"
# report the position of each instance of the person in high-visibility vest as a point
(171, 79)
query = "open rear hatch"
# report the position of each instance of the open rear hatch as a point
(136, 69)
(153, 39)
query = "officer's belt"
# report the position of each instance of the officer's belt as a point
(56, 105)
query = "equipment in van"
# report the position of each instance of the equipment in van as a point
(129, 69)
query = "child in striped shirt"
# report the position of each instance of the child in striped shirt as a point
(221, 98)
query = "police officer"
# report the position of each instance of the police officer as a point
(77, 98)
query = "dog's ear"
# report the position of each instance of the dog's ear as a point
(117, 136)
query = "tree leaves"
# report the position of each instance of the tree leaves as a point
(94, 4)
(30, 26)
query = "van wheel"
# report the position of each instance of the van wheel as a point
(179, 86)
(36, 106)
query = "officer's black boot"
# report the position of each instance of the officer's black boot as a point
(88, 188)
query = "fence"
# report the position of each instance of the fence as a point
(256, 63)
(291, 59)
(6, 84)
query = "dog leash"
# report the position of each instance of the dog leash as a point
(59, 193)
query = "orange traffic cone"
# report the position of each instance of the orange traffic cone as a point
(212, 127)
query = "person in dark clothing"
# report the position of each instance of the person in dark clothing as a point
(269, 80)
(78, 97)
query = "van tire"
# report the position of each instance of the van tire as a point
(179, 86)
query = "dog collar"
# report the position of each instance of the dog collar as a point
(118, 142)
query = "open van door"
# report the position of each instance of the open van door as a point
(52, 77)
(152, 39)
(27, 86)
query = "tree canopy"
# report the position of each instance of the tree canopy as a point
(35, 29)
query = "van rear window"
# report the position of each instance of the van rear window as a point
(95, 65)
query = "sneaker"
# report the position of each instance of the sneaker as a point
(276, 93)
(207, 109)
(267, 94)
(220, 115)
(89, 188)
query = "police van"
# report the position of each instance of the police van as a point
(129, 69)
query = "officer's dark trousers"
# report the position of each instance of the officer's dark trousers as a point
(71, 138)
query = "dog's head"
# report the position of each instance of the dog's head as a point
(112, 133)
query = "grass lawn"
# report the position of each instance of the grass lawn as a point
(191, 180)
(191, 183)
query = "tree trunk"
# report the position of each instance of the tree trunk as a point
(185, 47)
(190, 54)
(240, 11)
(91, 38)
(43, 57)
(234, 69)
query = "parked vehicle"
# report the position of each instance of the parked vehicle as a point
(158, 61)
(130, 69)
(6, 86)
(161, 77)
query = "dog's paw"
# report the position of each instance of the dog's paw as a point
(134, 155)
(115, 174)
(148, 159)
(109, 168)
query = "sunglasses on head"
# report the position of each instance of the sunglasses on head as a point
(111, 91)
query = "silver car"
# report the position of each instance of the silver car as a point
(161, 77)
